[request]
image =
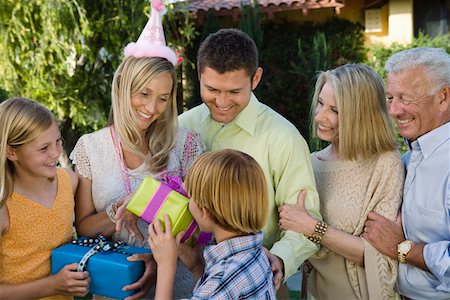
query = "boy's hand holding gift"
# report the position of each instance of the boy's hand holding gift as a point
(165, 252)
(164, 246)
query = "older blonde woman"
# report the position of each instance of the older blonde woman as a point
(360, 171)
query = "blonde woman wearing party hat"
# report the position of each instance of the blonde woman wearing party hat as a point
(141, 139)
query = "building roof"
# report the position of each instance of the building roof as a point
(231, 7)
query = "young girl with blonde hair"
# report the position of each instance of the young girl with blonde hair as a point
(36, 205)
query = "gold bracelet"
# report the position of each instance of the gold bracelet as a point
(319, 231)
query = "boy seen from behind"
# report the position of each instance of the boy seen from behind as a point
(229, 198)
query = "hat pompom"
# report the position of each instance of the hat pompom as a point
(158, 5)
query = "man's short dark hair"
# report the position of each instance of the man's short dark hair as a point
(228, 50)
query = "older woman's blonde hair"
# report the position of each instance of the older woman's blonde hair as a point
(365, 129)
(21, 121)
(231, 186)
(131, 78)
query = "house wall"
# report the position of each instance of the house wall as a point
(396, 19)
(396, 23)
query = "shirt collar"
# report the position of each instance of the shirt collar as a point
(206, 115)
(230, 247)
(245, 119)
(433, 139)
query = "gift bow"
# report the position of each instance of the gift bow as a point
(97, 245)
(175, 183)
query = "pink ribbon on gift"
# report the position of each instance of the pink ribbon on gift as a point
(155, 205)
(170, 183)
(204, 238)
(189, 231)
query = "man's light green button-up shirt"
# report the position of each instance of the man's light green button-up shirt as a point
(283, 155)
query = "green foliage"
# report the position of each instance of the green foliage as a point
(212, 25)
(250, 23)
(3, 95)
(379, 53)
(64, 53)
(291, 58)
(180, 28)
(46, 56)
(192, 98)
(346, 41)
(307, 68)
(40, 47)
(319, 58)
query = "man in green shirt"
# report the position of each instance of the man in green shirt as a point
(232, 117)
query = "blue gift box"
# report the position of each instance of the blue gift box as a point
(109, 271)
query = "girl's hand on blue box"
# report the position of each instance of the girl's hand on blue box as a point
(70, 282)
(147, 280)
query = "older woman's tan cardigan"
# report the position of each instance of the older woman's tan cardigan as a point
(348, 191)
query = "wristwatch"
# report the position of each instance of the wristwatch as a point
(403, 249)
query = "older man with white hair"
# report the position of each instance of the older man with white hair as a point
(418, 93)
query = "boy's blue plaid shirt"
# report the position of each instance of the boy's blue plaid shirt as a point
(236, 268)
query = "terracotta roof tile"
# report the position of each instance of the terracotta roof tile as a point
(218, 5)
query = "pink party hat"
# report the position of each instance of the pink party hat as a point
(151, 42)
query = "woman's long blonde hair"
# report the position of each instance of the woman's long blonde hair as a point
(132, 77)
(365, 129)
(21, 121)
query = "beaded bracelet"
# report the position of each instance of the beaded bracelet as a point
(319, 231)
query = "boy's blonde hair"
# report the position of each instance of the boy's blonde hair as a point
(365, 129)
(21, 121)
(130, 79)
(231, 186)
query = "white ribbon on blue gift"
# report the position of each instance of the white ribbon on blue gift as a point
(102, 245)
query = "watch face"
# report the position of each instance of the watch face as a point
(404, 247)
